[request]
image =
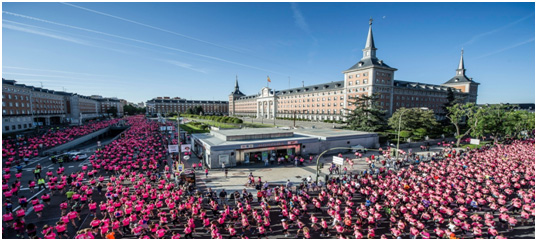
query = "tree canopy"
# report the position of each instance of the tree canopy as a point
(367, 116)
(412, 119)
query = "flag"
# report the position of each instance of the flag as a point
(268, 78)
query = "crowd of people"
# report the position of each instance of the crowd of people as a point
(477, 193)
(22, 149)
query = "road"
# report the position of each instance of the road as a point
(51, 213)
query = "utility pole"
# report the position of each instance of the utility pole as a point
(179, 139)
(294, 118)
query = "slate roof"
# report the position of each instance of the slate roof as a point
(368, 62)
(460, 79)
(312, 88)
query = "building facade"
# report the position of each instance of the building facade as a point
(235, 147)
(24, 107)
(368, 76)
(165, 105)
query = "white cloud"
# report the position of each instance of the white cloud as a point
(506, 48)
(27, 30)
(481, 35)
(300, 21)
(185, 65)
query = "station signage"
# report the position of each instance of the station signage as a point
(173, 148)
(337, 160)
(269, 144)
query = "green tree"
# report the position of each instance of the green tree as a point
(133, 110)
(464, 118)
(198, 110)
(405, 134)
(420, 132)
(413, 119)
(112, 111)
(498, 121)
(451, 101)
(129, 110)
(367, 116)
(171, 114)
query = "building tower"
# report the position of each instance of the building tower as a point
(233, 96)
(463, 83)
(370, 76)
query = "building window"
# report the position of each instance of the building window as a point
(350, 82)
(357, 75)
(357, 82)
(7, 128)
(365, 81)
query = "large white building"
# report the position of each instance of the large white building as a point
(370, 75)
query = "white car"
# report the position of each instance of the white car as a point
(358, 148)
(81, 156)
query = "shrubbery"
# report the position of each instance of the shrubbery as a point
(220, 119)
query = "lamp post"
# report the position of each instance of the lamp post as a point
(179, 139)
(322, 153)
(399, 133)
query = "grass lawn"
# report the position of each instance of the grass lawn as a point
(255, 125)
(217, 124)
(220, 125)
(192, 129)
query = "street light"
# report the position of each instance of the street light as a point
(399, 133)
(322, 153)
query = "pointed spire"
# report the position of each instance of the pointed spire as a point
(369, 50)
(461, 70)
(461, 63)
(236, 82)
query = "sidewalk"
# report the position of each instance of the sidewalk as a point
(278, 174)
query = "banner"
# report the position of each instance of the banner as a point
(186, 147)
(173, 148)
(474, 141)
(180, 167)
(337, 160)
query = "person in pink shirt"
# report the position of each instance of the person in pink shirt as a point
(61, 228)
(38, 208)
(232, 231)
(50, 234)
(188, 231)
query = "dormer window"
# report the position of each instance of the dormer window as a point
(456, 80)
(360, 64)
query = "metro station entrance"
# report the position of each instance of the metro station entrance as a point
(259, 155)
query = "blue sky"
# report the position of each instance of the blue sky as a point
(137, 51)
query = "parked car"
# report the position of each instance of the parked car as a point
(359, 148)
(81, 155)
